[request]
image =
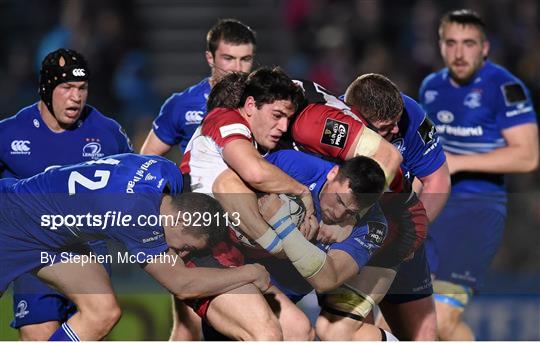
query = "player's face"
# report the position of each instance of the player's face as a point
(388, 129)
(229, 58)
(183, 241)
(463, 49)
(269, 122)
(69, 99)
(336, 200)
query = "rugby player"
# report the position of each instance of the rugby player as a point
(408, 306)
(343, 195)
(60, 129)
(233, 138)
(129, 184)
(487, 124)
(230, 46)
(329, 127)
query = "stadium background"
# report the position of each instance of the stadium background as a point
(140, 51)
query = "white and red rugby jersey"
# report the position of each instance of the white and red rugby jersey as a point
(203, 158)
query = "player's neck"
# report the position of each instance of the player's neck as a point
(49, 119)
(244, 114)
(462, 83)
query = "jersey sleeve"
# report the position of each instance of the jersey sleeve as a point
(513, 104)
(326, 130)
(224, 126)
(423, 152)
(423, 87)
(140, 237)
(173, 177)
(366, 237)
(169, 124)
(162, 174)
(300, 166)
(123, 142)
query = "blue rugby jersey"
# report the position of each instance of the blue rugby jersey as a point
(417, 141)
(128, 184)
(470, 118)
(181, 114)
(28, 146)
(368, 234)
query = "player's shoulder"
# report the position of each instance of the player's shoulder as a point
(96, 116)
(298, 157)
(161, 173)
(375, 214)
(435, 79)
(502, 79)
(413, 110)
(27, 114)
(143, 162)
(97, 119)
(413, 114)
(499, 74)
(224, 122)
(193, 94)
(223, 116)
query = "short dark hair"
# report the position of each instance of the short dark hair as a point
(375, 96)
(366, 179)
(231, 31)
(227, 92)
(267, 85)
(202, 203)
(464, 17)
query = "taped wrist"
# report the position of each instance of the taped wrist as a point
(306, 257)
(270, 242)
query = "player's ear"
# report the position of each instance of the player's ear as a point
(485, 49)
(250, 106)
(209, 58)
(332, 173)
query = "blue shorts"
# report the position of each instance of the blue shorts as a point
(464, 238)
(413, 280)
(35, 302)
(34, 308)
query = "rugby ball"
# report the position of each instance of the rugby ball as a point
(293, 204)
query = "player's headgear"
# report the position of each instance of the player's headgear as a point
(59, 66)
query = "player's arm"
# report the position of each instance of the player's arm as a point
(433, 190)
(371, 144)
(235, 197)
(339, 133)
(154, 146)
(244, 159)
(338, 268)
(168, 127)
(519, 156)
(185, 283)
(324, 271)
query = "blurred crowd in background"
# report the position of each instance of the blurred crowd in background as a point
(328, 41)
